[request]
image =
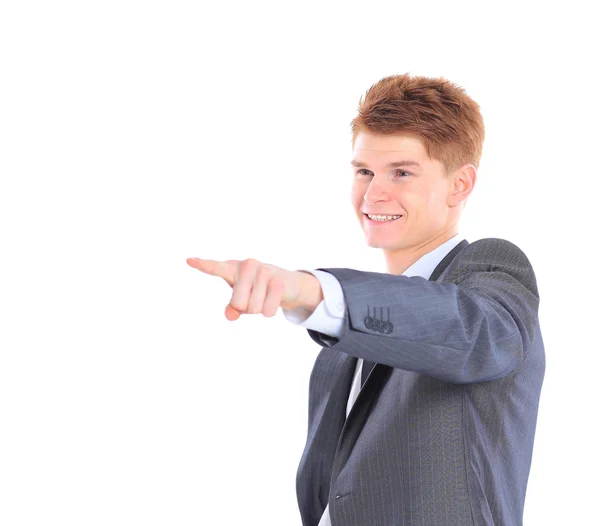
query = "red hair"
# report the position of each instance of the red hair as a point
(434, 110)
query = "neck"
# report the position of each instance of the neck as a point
(398, 261)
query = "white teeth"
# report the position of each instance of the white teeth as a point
(382, 218)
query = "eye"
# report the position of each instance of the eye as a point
(399, 173)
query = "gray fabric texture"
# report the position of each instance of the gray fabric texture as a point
(442, 432)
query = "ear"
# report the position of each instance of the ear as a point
(462, 184)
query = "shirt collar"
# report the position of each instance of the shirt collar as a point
(425, 266)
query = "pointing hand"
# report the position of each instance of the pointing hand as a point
(257, 287)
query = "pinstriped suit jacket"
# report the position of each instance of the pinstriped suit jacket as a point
(442, 431)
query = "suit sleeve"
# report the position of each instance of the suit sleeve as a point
(477, 327)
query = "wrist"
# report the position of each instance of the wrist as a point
(311, 292)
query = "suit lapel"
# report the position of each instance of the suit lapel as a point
(447, 259)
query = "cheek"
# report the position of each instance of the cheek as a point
(431, 197)
(356, 196)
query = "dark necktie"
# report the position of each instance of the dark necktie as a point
(366, 369)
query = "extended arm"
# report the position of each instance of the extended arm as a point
(476, 328)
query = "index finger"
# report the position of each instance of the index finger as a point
(222, 269)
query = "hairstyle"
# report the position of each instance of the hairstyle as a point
(434, 110)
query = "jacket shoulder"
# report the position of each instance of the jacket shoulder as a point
(495, 249)
(493, 254)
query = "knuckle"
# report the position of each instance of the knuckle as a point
(245, 266)
(278, 284)
(264, 272)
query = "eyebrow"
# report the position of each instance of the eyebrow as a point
(396, 164)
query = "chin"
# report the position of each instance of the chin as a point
(379, 244)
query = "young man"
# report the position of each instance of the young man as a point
(423, 400)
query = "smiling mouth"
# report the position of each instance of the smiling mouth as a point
(382, 221)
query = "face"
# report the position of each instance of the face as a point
(396, 177)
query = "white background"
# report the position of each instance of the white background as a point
(134, 135)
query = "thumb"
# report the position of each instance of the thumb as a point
(231, 314)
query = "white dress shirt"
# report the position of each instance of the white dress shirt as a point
(328, 317)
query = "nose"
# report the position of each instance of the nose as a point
(376, 192)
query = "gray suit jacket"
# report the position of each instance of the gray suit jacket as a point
(442, 431)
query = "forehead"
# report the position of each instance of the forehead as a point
(385, 147)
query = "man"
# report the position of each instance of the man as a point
(423, 400)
